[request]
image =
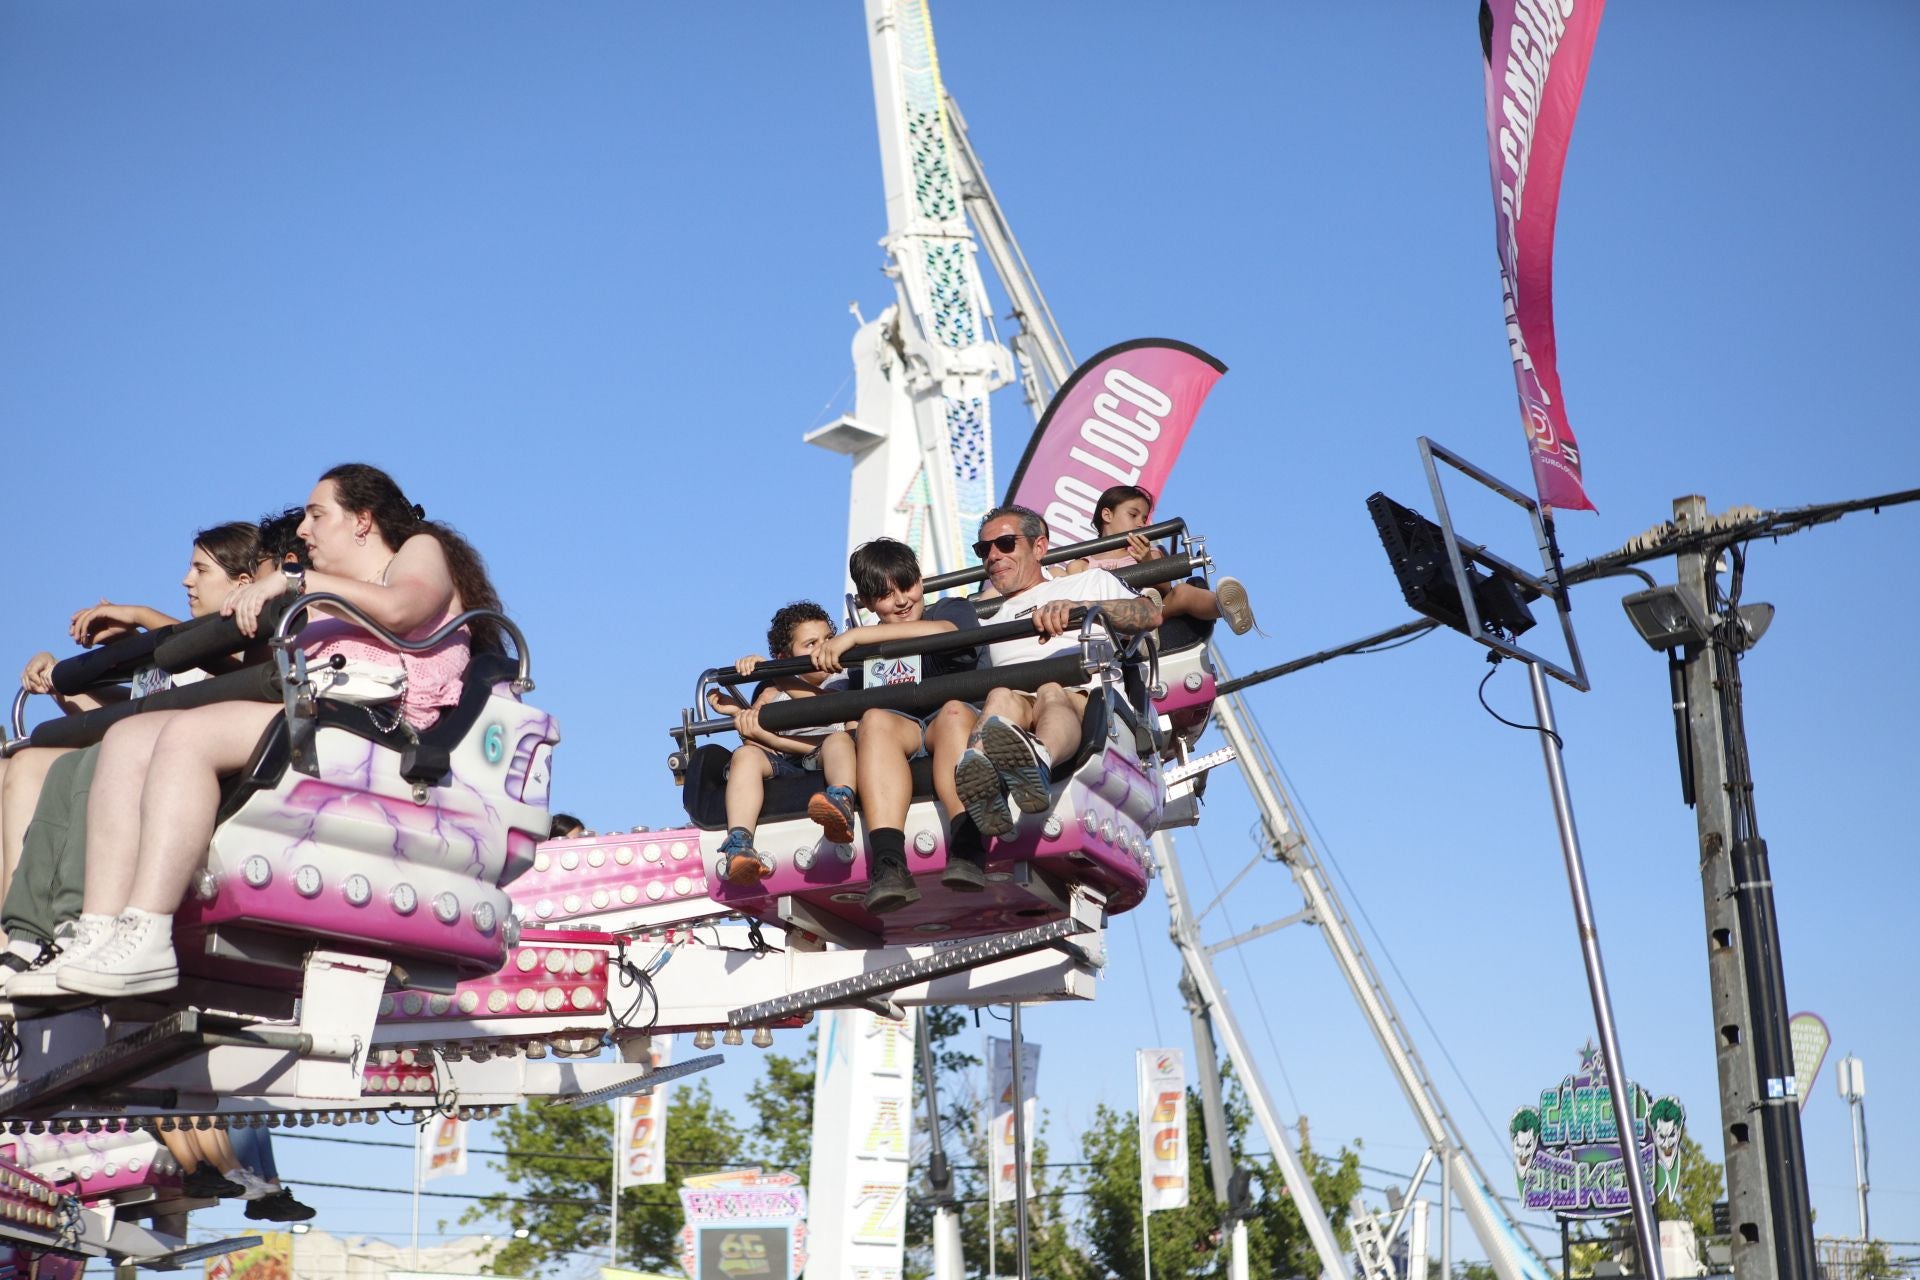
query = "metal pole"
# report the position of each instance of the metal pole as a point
(419, 1128)
(1293, 1171)
(613, 1230)
(1646, 1230)
(1446, 1220)
(993, 1229)
(1860, 1182)
(1019, 1149)
(1146, 1213)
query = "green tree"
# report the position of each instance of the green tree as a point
(561, 1171)
(963, 1106)
(1184, 1241)
(782, 1104)
(1702, 1183)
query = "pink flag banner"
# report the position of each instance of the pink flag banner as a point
(1120, 419)
(1536, 55)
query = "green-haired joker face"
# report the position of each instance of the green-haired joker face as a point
(1667, 1120)
(1525, 1131)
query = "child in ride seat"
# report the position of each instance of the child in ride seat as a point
(795, 632)
(1126, 507)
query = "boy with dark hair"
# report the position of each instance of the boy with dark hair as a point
(797, 630)
(887, 580)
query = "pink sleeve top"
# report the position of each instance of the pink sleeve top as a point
(434, 677)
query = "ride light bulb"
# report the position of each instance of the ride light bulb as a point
(763, 1038)
(703, 1039)
(257, 872)
(358, 890)
(446, 908)
(731, 1036)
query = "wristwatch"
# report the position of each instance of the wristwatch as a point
(296, 578)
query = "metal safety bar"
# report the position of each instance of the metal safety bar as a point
(1174, 528)
(283, 633)
(18, 736)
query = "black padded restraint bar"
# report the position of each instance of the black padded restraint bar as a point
(1148, 573)
(1060, 555)
(111, 663)
(923, 698)
(259, 683)
(191, 645)
(940, 642)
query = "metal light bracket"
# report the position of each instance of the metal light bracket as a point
(1547, 584)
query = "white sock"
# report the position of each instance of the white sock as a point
(26, 948)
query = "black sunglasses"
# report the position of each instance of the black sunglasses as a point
(1005, 544)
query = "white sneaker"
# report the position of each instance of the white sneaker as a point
(136, 960)
(256, 1187)
(42, 981)
(1234, 606)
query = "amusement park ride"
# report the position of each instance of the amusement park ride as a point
(382, 926)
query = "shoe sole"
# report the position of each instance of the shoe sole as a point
(1012, 755)
(36, 984)
(884, 899)
(89, 982)
(964, 876)
(1234, 606)
(744, 870)
(832, 822)
(978, 781)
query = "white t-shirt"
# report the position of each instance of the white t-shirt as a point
(1089, 586)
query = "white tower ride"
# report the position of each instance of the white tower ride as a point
(919, 432)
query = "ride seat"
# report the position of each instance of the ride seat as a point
(705, 790)
(395, 846)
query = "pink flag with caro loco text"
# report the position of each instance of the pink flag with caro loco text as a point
(1120, 419)
(1536, 55)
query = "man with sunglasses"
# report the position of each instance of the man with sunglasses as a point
(1019, 735)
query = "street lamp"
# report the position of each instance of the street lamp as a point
(1666, 617)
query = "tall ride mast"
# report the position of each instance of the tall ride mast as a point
(920, 430)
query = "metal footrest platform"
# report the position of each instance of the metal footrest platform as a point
(1086, 914)
(659, 1075)
(155, 1047)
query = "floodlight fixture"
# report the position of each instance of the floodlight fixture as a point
(1667, 617)
(1416, 548)
(1754, 619)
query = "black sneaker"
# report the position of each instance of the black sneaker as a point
(965, 874)
(891, 889)
(279, 1207)
(206, 1183)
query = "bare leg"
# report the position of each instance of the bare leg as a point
(182, 797)
(20, 787)
(113, 809)
(947, 738)
(747, 785)
(837, 759)
(886, 742)
(1184, 600)
(1056, 719)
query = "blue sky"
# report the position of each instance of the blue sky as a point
(578, 275)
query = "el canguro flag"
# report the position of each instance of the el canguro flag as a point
(1536, 54)
(1120, 419)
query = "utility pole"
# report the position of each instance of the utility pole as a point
(1760, 1116)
